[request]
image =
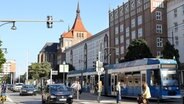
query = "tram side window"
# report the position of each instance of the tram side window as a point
(155, 77)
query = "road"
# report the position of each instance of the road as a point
(85, 98)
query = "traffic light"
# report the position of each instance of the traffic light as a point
(49, 21)
(94, 64)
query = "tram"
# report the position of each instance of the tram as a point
(160, 75)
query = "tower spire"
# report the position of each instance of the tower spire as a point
(78, 10)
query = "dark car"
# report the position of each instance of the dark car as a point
(28, 90)
(57, 93)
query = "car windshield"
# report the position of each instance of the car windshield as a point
(169, 77)
(58, 88)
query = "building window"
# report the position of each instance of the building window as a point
(116, 30)
(117, 60)
(121, 28)
(122, 49)
(127, 32)
(176, 40)
(158, 15)
(183, 9)
(159, 28)
(140, 20)
(176, 26)
(116, 41)
(133, 35)
(133, 23)
(127, 43)
(159, 42)
(122, 38)
(140, 32)
(117, 51)
(175, 12)
(159, 53)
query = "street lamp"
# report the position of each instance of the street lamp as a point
(8, 22)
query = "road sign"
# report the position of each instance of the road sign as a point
(64, 68)
(54, 72)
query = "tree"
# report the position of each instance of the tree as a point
(137, 49)
(38, 70)
(169, 52)
(71, 67)
(2, 58)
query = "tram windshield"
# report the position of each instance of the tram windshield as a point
(169, 77)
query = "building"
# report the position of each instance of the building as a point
(175, 26)
(49, 54)
(9, 69)
(74, 35)
(137, 19)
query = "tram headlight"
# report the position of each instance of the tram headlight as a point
(165, 88)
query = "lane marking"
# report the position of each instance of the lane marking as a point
(9, 99)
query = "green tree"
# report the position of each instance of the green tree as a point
(138, 49)
(169, 52)
(38, 70)
(71, 67)
(2, 58)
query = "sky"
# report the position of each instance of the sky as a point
(24, 44)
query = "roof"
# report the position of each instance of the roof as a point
(77, 26)
(50, 47)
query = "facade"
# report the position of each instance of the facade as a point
(175, 26)
(75, 35)
(137, 19)
(175, 20)
(83, 54)
(9, 68)
(48, 54)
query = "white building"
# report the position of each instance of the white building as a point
(83, 54)
(175, 20)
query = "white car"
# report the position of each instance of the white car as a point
(17, 87)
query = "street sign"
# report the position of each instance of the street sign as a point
(64, 68)
(54, 72)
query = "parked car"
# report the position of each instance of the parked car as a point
(28, 90)
(57, 93)
(17, 87)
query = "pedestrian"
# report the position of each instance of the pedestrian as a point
(77, 87)
(146, 92)
(118, 90)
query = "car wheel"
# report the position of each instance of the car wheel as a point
(20, 94)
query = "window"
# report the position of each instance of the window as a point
(176, 40)
(116, 30)
(159, 28)
(140, 32)
(159, 42)
(121, 28)
(133, 35)
(122, 49)
(140, 20)
(158, 15)
(176, 26)
(122, 38)
(116, 41)
(158, 53)
(175, 12)
(133, 23)
(117, 51)
(183, 9)
(127, 43)
(127, 32)
(132, 4)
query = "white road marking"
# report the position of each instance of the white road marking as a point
(10, 100)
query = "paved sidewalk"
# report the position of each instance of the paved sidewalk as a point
(88, 98)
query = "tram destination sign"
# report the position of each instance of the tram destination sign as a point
(168, 66)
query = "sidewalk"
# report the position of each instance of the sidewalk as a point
(88, 98)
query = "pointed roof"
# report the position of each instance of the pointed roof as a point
(77, 26)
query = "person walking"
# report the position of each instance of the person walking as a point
(118, 90)
(146, 92)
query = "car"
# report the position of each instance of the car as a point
(56, 93)
(28, 90)
(17, 87)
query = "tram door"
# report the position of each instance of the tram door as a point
(114, 80)
(143, 78)
(92, 84)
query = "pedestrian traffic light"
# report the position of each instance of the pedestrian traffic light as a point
(49, 21)
(94, 64)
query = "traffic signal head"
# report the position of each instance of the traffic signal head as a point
(49, 21)
(94, 64)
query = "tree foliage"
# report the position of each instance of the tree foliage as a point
(138, 49)
(2, 57)
(169, 52)
(38, 70)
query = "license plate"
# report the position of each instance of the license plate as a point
(62, 99)
(30, 92)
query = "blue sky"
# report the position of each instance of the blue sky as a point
(25, 43)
